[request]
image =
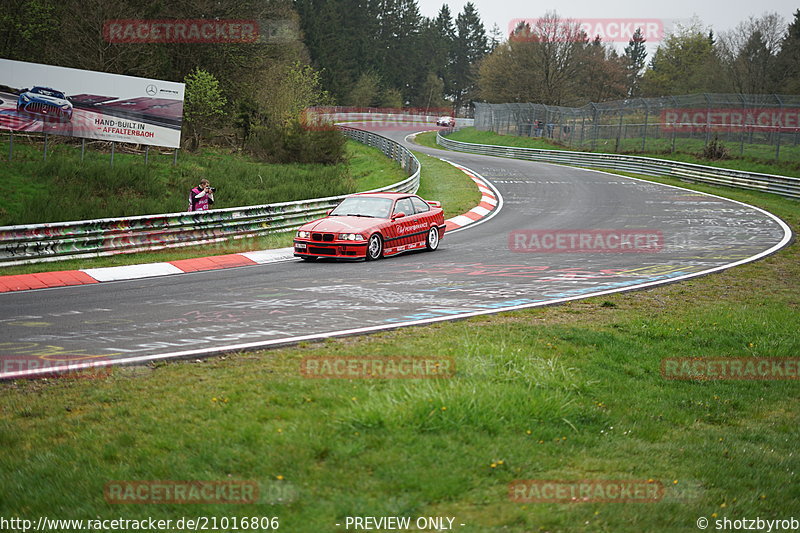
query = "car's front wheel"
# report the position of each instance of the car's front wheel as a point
(374, 247)
(432, 241)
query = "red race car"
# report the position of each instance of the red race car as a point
(372, 225)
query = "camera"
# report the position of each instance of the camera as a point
(212, 189)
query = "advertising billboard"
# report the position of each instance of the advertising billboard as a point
(94, 105)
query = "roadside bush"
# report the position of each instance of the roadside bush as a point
(715, 150)
(295, 144)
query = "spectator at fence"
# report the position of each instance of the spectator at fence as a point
(201, 197)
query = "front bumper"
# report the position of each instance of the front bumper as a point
(46, 111)
(337, 249)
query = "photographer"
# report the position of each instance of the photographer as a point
(201, 197)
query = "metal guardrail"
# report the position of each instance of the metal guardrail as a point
(35, 243)
(772, 183)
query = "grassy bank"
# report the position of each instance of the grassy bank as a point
(562, 393)
(64, 188)
(763, 164)
(368, 167)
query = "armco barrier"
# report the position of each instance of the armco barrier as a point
(66, 240)
(782, 185)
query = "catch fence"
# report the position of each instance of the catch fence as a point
(762, 126)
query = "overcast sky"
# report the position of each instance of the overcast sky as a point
(720, 16)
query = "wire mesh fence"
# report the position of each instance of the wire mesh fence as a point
(763, 126)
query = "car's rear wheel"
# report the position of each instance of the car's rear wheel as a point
(374, 247)
(432, 242)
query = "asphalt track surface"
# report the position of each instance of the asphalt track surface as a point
(475, 271)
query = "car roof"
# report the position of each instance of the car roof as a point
(389, 195)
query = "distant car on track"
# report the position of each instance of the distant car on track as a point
(449, 122)
(45, 102)
(372, 225)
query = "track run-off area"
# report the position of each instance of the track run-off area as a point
(557, 234)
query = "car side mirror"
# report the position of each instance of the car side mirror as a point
(398, 215)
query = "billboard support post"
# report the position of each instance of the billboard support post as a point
(83, 147)
(113, 145)
(45, 147)
(146, 153)
(10, 144)
(175, 158)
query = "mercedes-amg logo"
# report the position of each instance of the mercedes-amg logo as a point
(151, 90)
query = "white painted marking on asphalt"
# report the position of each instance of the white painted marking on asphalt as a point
(270, 256)
(132, 271)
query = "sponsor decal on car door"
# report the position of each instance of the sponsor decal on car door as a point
(409, 230)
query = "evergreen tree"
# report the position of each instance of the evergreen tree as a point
(635, 55)
(469, 47)
(787, 63)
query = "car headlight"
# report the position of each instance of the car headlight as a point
(351, 237)
(304, 234)
(65, 106)
(25, 98)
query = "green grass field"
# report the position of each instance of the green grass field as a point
(64, 188)
(687, 152)
(559, 393)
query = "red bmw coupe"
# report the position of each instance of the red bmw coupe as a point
(372, 225)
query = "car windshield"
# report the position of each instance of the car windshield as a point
(48, 92)
(364, 206)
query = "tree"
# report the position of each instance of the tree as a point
(749, 53)
(495, 36)
(685, 62)
(635, 55)
(298, 87)
(601, 75)
(469, 47)
(787, 62)
(366, 92)
(203, 104)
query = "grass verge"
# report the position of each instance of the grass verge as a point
(368, 167)
(561, 393)
(64, 188)
(747, 163)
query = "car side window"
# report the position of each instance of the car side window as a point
(420, 205)
(404, 206)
